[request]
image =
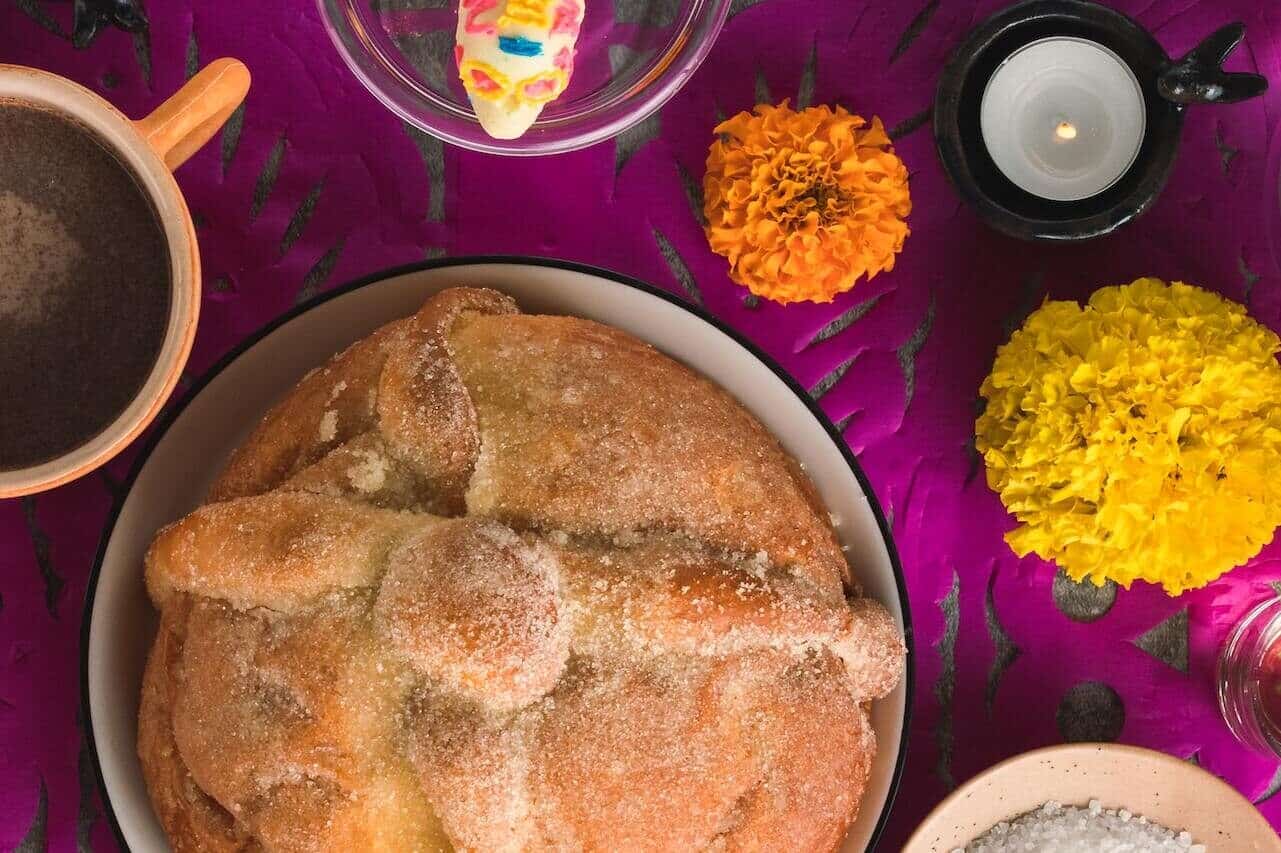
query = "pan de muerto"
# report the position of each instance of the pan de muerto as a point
(492, 581)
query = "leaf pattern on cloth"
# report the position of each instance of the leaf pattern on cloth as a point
(37, 838)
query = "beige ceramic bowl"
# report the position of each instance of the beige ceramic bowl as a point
(151, 148)
(1164, 789)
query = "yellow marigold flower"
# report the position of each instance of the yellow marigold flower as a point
(1138, 437)
(804, 203)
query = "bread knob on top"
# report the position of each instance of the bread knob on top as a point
(514, 57)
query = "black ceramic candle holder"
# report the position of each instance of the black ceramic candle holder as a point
(1168, 86)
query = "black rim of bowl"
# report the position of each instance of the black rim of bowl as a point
(171, 414)
(965, 158)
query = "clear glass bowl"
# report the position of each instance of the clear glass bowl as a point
(632, 56)
(1249, 678)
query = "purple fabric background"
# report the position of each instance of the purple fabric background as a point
(322, 185)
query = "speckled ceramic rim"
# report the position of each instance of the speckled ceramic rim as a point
(172, 415)
(1024, 782)
(61, 95)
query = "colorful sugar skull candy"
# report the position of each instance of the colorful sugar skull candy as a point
(514, 56)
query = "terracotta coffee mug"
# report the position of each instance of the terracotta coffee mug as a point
(151, 148)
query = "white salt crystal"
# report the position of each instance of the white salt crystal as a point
(1053, 828)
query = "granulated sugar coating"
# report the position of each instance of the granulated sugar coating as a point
(1055, 828)
(491, 581)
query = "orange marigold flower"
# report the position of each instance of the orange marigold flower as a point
(804, 203)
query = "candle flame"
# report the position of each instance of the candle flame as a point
(1065, 130)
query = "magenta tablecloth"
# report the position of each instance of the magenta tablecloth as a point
(316, 184)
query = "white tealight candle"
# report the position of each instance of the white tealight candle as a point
(1063, 118)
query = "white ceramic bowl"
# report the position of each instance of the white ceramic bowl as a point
(1172, 792)
(185, 453)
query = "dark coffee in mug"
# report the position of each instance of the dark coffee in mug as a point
(85, 285)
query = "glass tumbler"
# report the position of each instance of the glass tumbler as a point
(1249, 678)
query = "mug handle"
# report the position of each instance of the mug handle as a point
(192, 115)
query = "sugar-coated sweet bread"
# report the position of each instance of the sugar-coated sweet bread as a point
(493, 581)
